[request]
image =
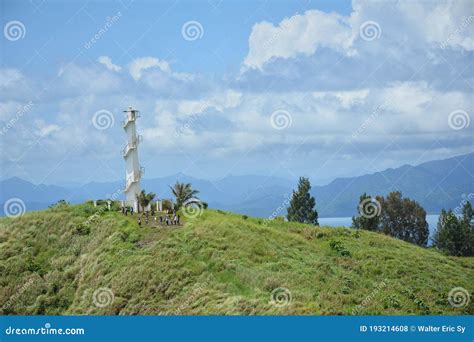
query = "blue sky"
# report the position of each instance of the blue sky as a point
(286, 88)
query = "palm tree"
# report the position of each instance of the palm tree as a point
(183, 193)
(144, 199)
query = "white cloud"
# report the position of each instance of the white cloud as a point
(436, 24)
(107, 61)
(43, 129)
(446, 24)
(346, 99)
(179, 117)
(323, 120)
(10, 77)
(220, 101)
(77, 80)
(328, 97)
(299, 34)
(140, 64)
(11, 109)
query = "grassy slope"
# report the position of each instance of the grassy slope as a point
(218, 263)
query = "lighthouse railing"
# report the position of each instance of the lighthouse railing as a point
(130, 116)
(132, 178)
(131, 145)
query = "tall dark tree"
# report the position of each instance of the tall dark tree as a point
(454, 235)
(403, 218)
(399, 217)
(369, 214)
(302, 204)
(467, 213)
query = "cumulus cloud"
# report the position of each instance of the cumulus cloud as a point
(43, 129)
(107, 61)
(77, 80)
(442, 24)
(9, 77)
(179, 123)
(325, 120)
(15, 85)
(299, 34)
(137, 66)
(313, 65)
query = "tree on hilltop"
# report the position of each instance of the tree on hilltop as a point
(302, 204)
(393, 215)
(183, 192)
(454, 235)
(144, 199)
(369, 214)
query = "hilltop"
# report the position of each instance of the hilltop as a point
(217, 263)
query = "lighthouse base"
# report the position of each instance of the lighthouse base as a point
(131, 204)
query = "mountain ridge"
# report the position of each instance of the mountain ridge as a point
(435, 184)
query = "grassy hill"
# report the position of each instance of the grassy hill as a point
(218, 263)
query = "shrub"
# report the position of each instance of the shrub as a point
(339, 247)
(82, 228)
(392, 301)
(319, 235)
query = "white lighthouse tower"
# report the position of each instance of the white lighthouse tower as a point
(130, 153)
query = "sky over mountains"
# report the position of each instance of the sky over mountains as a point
(435, 185)
(322, 89)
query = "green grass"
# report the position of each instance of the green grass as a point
(218, 263)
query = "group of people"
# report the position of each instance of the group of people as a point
(170, 218)
(126, 210)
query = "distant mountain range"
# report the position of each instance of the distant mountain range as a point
(435, 185)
